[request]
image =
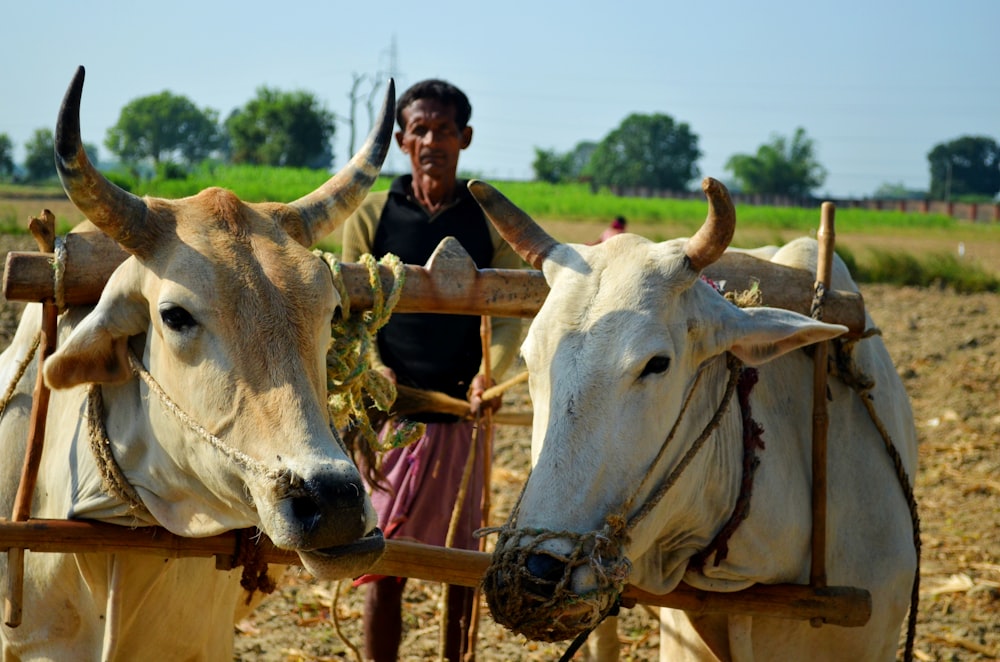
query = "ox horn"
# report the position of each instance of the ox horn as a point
(329, 205)
(526, 237)
(712, 239)
(121, 215)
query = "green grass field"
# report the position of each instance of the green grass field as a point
(883, 246)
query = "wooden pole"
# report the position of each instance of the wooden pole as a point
(835, 605)
(820, 420)
(43, 229)
(448, 283)
(486, 337)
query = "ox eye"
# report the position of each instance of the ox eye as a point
(177, 319)
(655, 366)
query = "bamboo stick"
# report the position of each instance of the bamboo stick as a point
(411, 400)
(820, 419)
(835, 605)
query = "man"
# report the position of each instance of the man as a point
(430, 350)
(617, 227)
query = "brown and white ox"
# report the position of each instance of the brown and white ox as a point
(229, 312)
(628, 361)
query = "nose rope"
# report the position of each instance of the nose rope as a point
(735, 367)
(240, 458)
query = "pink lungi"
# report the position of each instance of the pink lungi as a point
(424, 479)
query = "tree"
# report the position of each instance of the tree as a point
(282, 129)
(39, 157)
(647, 150)
(163, 128)
(780, 167)
(966, 166)
(6, 156)
(551, 166)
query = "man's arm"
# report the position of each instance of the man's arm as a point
(358, 239)
(360, 227)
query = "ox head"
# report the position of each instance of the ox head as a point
(225, 306)
(612, 356)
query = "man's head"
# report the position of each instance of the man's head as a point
(618, 223)
(438, 90)
(433, 117)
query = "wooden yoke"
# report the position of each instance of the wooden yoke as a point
(449, 283)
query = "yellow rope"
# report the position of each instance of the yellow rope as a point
(352, 384)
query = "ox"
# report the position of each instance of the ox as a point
(227, 315)
(629, 359)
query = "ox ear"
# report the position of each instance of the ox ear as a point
(97, 349)
(759, 335)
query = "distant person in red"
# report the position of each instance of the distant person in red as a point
(617, 227)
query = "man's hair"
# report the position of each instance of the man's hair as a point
(439, 90)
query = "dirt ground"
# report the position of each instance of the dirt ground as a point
(947, 349)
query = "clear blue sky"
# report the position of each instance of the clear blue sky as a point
(875, 83)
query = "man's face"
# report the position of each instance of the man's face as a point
(431, 138)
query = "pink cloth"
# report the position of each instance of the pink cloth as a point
(608, 233)
(424, 479)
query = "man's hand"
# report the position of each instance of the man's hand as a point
(476, 403)
(388, 372)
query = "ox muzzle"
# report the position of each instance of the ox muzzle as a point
(552, 586)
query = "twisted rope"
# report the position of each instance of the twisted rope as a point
(113, 480)
(239, 458)
(352, 384)
(22, 367)
(845, 368)
(59, 273)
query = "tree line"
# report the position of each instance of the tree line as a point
(169, 135)
(656, 152)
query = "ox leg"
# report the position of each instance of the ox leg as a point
(603, 644)
(740, 641)
(692, 639)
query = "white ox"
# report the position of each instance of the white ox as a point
(225, 306)
(628, 332)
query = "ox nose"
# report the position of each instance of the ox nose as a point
(544, 573)
(328, 503)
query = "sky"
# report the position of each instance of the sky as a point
(876, 84)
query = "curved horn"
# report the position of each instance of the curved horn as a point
(526, 237)
(325, 208)
(712, 239)
(117, 212)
